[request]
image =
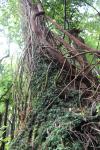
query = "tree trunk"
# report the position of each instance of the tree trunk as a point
(49, 104)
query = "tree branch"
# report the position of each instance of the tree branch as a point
(4, 58)
(93, 8)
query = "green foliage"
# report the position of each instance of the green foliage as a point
(1, 130)
(10, 20)
(7, 139)
(10, 24)
(5, 78)
(55, 133)
(2, 107)
(51, 127)
(98, 108)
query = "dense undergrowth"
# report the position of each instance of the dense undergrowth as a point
(55, 123)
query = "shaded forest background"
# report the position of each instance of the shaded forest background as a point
(50, 77)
